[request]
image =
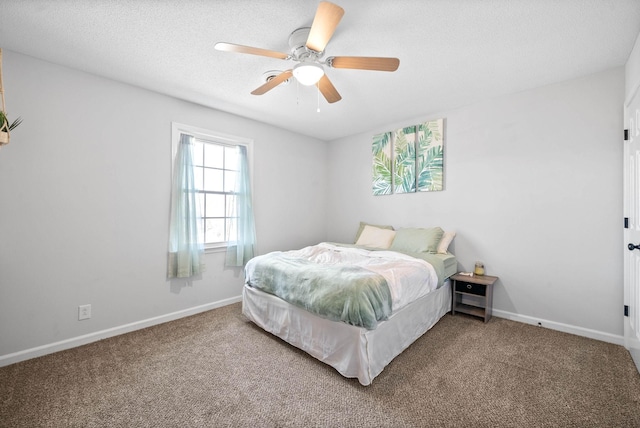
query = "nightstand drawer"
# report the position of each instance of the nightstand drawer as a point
(468, 287)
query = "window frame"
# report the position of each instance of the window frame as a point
(213, 137)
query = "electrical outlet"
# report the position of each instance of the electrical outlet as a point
(84, 312)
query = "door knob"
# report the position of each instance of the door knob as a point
(632, 247)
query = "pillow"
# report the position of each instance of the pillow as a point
(363, 224)
(376, 237)
(416, 240)
(447, 237)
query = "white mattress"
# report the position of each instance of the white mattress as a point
(354, 352)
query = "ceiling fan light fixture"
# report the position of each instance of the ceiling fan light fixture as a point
(308, 73)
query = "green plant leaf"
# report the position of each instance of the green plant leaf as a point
(380, 141)
(430, 166)
(404, 162)
(15, 123)
(4, 119)
(382, 174)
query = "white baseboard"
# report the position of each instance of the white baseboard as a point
(73, 342)
(565, 328)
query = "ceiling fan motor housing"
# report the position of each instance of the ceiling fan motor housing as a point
(298, 45)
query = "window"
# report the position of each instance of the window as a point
(215, 170)
(215, 163)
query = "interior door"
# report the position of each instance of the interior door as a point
(632, 229)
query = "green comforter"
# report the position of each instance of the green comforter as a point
(345, 293)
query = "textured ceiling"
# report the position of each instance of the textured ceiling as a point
(452, 52)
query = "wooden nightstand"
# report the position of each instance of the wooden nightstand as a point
(473, 295)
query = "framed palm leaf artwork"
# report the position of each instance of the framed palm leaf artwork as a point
(409, 159)
(382, 178)
(430, 160)
(404, 160)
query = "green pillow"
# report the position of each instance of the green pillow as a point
(417, 240)
(363, 224)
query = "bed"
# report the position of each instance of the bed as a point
(405, 293)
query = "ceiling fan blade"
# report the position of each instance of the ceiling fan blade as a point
(272, 83)
(230, 47)
(364, 63)
(328, 90)
(327, 18)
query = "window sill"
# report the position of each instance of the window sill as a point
(216, 249)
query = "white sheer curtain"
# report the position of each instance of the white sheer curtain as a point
(186, 249)
(241, 227)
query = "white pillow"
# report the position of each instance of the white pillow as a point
(447, 237)
(376, 237)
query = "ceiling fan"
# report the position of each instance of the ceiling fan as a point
(307, 48)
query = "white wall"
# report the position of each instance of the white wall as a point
(533, 189)
(632, 69)
(84, 205)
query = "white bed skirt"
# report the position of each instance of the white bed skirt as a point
(352, 351)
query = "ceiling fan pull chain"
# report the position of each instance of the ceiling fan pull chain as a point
(318, 86)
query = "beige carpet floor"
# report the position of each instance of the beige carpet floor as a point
(217, 369)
